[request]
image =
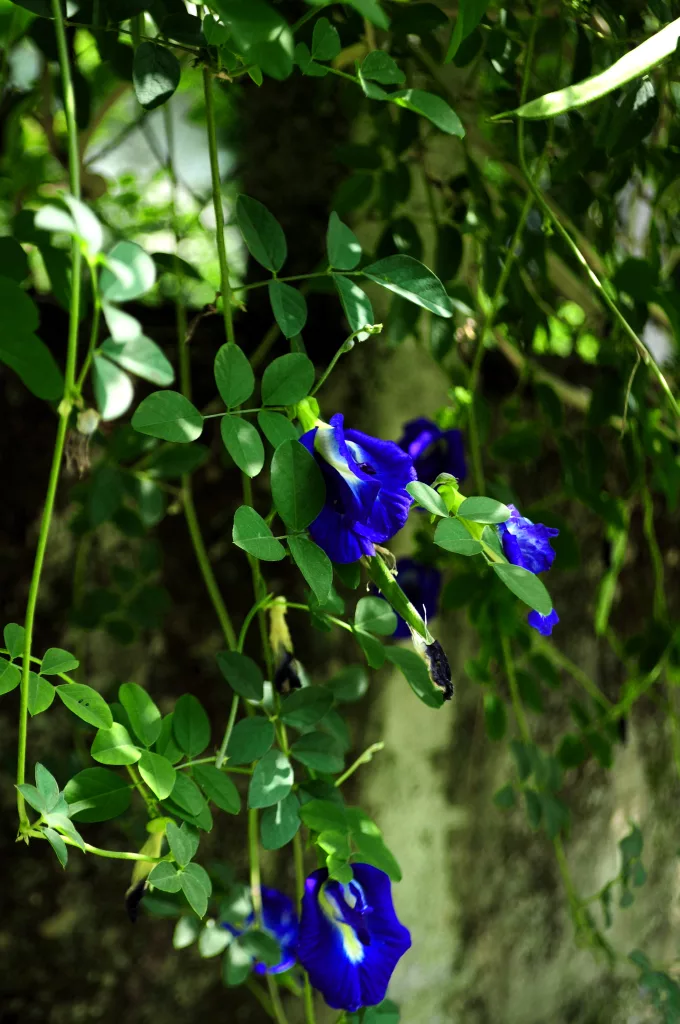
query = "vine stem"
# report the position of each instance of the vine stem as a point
(222, 752)
(65, 407)
(217, 204)
(514, 690)
(256, 894)
(602, 288)
(99, 852)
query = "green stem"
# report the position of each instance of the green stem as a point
(254, 859)
(660, 606)
(151, 805)
(94, 333)
(259, 587)
(222, 752)
(65, 407)
(217, 204)
(362, 759)
(390, 589)
(345, 347)
(584, 681)
(603, 288)
(99, 852)
(517, 706)
(297, 277)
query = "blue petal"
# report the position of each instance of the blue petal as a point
(350, 937)
(434, 451)
(543, 623)
(366, 497)
(279, 918)
(527, 544)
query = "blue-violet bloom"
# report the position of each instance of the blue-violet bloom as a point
(280, 920)
(543, 623)
(527, 544)
(421, 584)
(434, 451)
(350, 937)
(366, 497)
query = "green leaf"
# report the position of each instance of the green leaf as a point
(375, 616)
(20, 313)
(342, 245)
(260, 34)
(435, 109)
(276, 427)
(14, 637)
(165, 877)
(452, 536)
(218, 787)
(183, 842)
(214, 939)
(129, 273)
(166, 743)
(495, 716)
(31, 359)
(242, 674)
(355, 303)
(324, 815)
(289, 308)
(186, 932)
(155, 74)
(54, 218)
(250, 740)
(470, 13)
(632, 65)
(378, 66)
(415, 672)
(191, 725)
(305, 708)
(233, 376)
(261, 232)
(113, 389)
(287, 380)
(325, 40)
(13, 260)
(303, 58)
(115, 746)
(96, 794)
(47, 785)
(158, 774)
(10, 676)
(243, 443)
(87, 226)
(170, 263)
(280, 823)
(33, 797)
(236, 965)
(526, 586)
(319, 752)
(372, 648)
(348, 685)
(484, 510)
(143, 715)
(87, 704)
(428, 498)
(40, 694)
(251, 533)
(187, 795)
(168, 415)
(371, 849)
(142, 357)
(505, 798)
(372, 10)
(57, 844)
(297, 485)
(169, 461)
(55, 660)
(314, 564)
(272, 780)
(411, 279)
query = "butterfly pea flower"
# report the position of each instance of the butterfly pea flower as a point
(421, 584)
(350, 938)
(279, 920)
(433, 450)
(366, 497)
(527, 544)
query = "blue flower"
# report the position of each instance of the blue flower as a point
(434, 451)
(543, 623)
(421, 584)
(350, 938)
(366, 497)
(527, 544)
(280, 920)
